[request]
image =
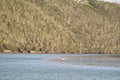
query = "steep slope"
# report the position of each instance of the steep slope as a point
(26, 26)
(60, 26)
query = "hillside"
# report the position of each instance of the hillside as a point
(60, 26)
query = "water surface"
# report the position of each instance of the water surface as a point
(110, 61)
(42, 67)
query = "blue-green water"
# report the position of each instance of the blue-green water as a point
(41, 67)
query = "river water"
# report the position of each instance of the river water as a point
(54, 67)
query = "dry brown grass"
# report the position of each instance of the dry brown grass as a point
(59, 26)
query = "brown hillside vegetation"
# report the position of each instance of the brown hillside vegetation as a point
(58, 26)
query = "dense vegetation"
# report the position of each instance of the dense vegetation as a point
(60, 26)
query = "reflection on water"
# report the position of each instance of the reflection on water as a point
(42, 67)
(92, 60)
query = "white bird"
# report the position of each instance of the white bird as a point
(62, 58)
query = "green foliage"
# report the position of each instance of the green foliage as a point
(58, 26)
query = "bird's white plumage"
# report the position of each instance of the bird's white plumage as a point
(63, 58)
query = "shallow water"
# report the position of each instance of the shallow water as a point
(110, 61)
(41, 67)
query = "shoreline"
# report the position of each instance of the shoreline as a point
(50, 53)
(47, 52)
